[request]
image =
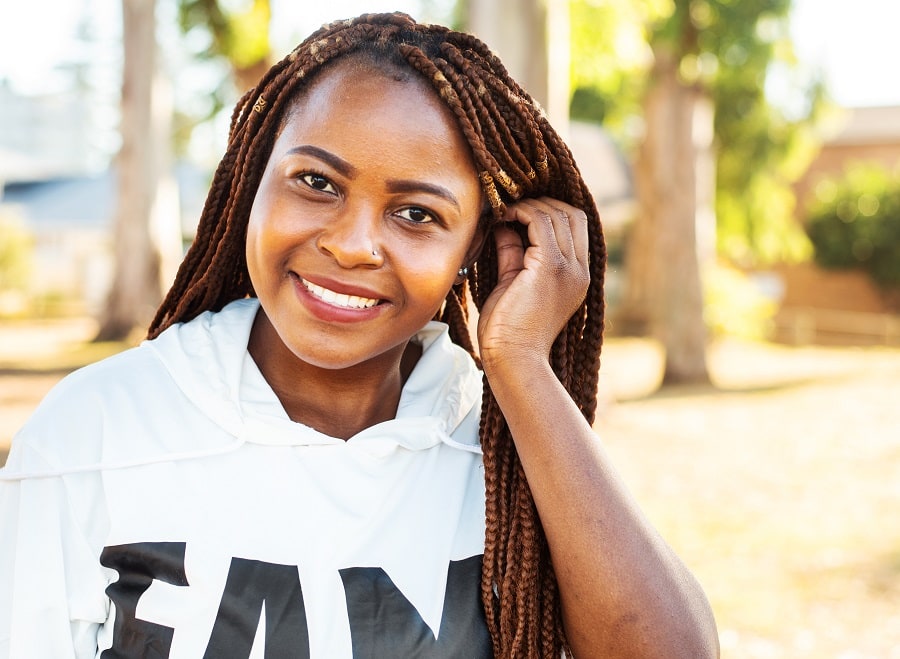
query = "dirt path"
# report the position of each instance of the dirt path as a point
(780, 487)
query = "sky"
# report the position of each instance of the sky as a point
(31, 46)
(854, 43)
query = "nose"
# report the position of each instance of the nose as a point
(350, 237)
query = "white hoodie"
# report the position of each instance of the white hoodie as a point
(161, 503)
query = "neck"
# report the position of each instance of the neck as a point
(337, 402)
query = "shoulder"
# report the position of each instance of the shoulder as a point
(146, 401)
(116, 376)
(76, 413)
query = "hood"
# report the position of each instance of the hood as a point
(208, 360)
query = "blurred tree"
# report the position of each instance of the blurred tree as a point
(854, 223)
(147, 240)
(662, 252)
(532, 37)
(609, 62)
(697, 81)
(238, 31)
(16, 251)
(138, 251)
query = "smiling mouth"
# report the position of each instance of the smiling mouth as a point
(339, 299)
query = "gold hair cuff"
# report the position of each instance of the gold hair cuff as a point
(260, 105)
(508, 183)
(490, 189)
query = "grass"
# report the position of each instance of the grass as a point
(52, 345)
(779, 489)
(779, 486)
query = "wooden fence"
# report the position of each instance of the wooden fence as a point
(801, 326)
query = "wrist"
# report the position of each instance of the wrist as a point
(513, 360)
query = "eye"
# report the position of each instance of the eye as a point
(317, 182)
(417, 215)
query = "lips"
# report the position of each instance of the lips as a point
(339, 299)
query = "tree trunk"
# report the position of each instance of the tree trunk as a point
(251, 26)
(664, 291)
(247, 77)
(532, 39)
(136, 288)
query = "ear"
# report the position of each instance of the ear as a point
(477, 244)
(473, 252)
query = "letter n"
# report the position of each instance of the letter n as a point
(383, 623)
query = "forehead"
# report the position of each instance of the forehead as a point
(355, 79)
(369, 114)
(350, 78)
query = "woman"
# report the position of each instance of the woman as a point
(300, 461)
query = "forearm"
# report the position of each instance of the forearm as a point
(624, 592)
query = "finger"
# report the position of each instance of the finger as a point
(538, 218)
(575, 229)
(560, 217)
(578, 221)
(510, 251)
(563, 223)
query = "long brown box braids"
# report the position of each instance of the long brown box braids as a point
(518, 155)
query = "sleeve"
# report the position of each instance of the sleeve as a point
(52, 599)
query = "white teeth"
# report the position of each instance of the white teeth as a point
(339, 299)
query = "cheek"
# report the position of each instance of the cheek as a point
(268, 232)
(433, 270)
(263, 241)
(252, 245)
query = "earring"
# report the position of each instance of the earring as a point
(462, 272)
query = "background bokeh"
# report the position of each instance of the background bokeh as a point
(773, 468)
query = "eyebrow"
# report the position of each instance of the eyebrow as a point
(421, 186)
(348, 170)
(338, 163)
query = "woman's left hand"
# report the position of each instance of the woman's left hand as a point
(540, 286)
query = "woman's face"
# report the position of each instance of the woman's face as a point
(367, 208)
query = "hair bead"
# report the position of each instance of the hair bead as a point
(491, 190)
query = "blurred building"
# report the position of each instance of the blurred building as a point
(608, 175)
(45, 136)
(55, 179)
(869, 134)
(842, 306)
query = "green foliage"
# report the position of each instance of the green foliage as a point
(735, 306)
(238, 31)
(588, 104)
(727, 49)
(16, 247)
(855, 223)
(226, 37)
(609, 60)
(761, 152)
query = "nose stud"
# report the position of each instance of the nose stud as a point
(374, 252)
